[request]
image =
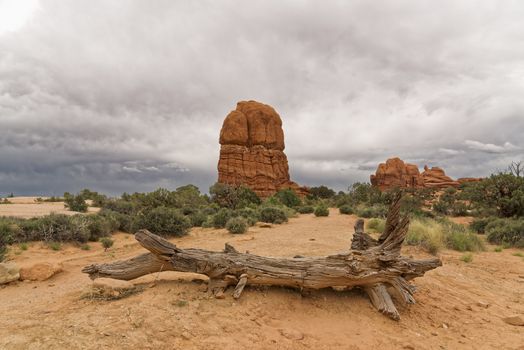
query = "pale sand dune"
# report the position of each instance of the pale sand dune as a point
(176, 313)
(28, 207)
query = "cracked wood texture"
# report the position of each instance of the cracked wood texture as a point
(376, 266)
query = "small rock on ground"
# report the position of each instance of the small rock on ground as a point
(9, 272)
(39, 272)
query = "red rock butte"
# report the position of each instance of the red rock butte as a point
(252, 150)
(396, 173)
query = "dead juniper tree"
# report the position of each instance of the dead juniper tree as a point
(376, 266)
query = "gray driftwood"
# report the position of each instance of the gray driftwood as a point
(376, 266)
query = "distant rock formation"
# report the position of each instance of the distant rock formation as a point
(462, 180)
(396, 173)
(252, 150)
(437, 178)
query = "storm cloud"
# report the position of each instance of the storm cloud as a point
(130, 95)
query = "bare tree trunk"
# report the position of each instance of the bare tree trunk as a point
(372, 265)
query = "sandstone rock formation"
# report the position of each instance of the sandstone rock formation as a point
(437, 178)
(9, 272)
(396, 173)
(40, 271)
(252, 150)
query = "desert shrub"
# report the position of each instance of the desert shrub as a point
(106, 242)
(118, 221)
(306, 209)
(503, 193)
(288, 197)
(506, 231)
(61, 228)
(6, 236)
(237, 225)
(376, 225)
(478, 225)
(197, 218)
(322, 191)
(467, 258)
(100, 226)
(250, 214)
(75, 203)
(221, 217)
(164, 221)
(233, 197)
(441, 207)
(346, 209)
(434, 235)
(85, 246)
(121, 206)
(374, 211)
(54, 246)
(321, 210)
(273, 215)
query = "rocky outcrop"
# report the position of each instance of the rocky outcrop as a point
(9, 272)
(396, 173)
(252, 150)
(437, 178)
(40, 271)
(463, 180)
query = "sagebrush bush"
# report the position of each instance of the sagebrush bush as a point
(376, 225)
(374, 211)
(434, 235)
(100, 226)
(164, 221)
(250, 214)
(321, 210)
(273, 215)
(237, 225)
(345, 209)
(306, 209)
(221, 217)
(478, 225)
(197, 218)
(288, 197)
(506, 231)
(119, 221)
(106, 242)
(6, 237)
(75, 203)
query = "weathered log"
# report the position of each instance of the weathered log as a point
(371, 265)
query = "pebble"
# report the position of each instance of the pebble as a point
(482, 304)
(291, 334)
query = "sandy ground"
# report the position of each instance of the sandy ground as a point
(459, 305)
(28, 207)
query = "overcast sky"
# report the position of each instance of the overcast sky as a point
(130, 95)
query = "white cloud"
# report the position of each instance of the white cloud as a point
(490, 147)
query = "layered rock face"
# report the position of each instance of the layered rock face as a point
(252, 150)
(437, 178)
(396, 173)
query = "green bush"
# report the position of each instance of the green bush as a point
(75, 203)
(251, 215)
(506, 231)
(321, 192)
(346, 209)
(467, 258)
(306, 209)
(100, 226)
(321, 210)
(233, 197)
(273, 215)
(6, 237)
(237, 225)
(376, 225)
(288, 197)
(221, 217)
(106, 242)
(197, 218)
(478, 225)
(374, 211)
(119, 221)
(434, 235)
(164, 221)
(61, 228)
